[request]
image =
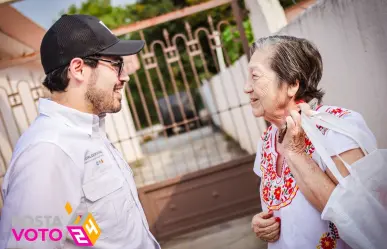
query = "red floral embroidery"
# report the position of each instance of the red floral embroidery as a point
(265, 193)
(337, 111)
(277, 193)
(333, 230)
(266, 135)
(288, 183)
(327, 242)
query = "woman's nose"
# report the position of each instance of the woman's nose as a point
(247, 87)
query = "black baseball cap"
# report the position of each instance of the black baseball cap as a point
(81, 36)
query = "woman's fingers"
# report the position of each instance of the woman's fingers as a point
(274, 239)
(272, 236)
(269, 229)
(264, 225)
(294, 139)
(296, 117)
(290, 124)
(268, 232)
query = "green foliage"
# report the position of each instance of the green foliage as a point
(230, 35)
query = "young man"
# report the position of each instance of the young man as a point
(64, 171)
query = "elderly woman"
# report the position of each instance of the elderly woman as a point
(295, 186)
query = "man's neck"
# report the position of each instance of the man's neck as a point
(74, 103)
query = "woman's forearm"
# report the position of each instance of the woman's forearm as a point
(312, 181)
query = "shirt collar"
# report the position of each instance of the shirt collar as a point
(85, 122)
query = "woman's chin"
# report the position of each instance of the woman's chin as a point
(257, 112)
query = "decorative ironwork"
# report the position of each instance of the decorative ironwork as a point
(15, 99)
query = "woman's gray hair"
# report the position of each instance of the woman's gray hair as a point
(295, 59)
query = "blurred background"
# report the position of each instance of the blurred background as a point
(186, 127)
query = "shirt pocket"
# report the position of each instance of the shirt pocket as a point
(102, 194)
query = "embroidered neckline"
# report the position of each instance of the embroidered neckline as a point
(277, 191)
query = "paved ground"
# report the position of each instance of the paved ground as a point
(165, 158)
(235, 234)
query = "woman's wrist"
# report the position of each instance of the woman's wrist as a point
(297, 159)
(290, 155)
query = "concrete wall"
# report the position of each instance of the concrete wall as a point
(266, 16)
(352, 38)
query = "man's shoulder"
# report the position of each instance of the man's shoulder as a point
(47, 129)
(46, 132)
(38, 132)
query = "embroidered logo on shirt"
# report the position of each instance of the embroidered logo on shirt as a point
(100, 161)
(93, 155)
(96, 163)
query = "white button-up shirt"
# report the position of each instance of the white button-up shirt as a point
(65, 157)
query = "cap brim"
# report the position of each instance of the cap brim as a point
(124, 47)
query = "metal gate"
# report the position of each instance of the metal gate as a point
(197, 132)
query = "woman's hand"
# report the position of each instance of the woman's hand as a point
(266, 227)
(294, 140)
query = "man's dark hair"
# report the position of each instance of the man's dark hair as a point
(57, 80)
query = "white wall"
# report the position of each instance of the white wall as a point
(266, 16)
(352, 38)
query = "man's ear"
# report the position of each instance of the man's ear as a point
(76, 69)
(293, 89)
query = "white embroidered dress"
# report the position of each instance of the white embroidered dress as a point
(301, 224)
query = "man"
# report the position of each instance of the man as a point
(64, 170)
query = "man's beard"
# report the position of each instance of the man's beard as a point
(100, 101)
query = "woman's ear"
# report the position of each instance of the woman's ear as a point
(293, 89)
